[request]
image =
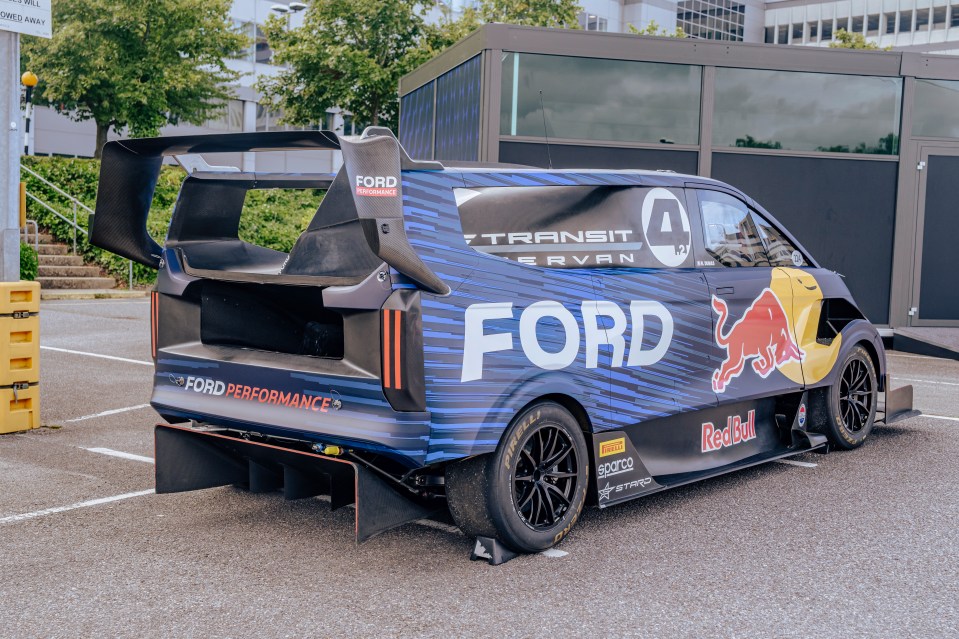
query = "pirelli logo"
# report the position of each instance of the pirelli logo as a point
(612, 447)
(392, 349)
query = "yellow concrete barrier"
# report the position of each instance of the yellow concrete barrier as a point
(19, 356)
(19, 409)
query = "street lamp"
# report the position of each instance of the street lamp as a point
(288, 10)
(29, 79)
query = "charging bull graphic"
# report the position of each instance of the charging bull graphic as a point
(762, 334)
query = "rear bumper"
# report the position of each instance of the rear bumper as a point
(191, 459)
(296, 404)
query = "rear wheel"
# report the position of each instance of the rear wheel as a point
(530, 492)
(850, 404)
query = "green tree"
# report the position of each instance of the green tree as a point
(135, 63)
(653, 29)
(352, 54)
(532, 13)
(846, 40)
(346, 54)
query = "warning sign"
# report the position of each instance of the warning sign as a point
(30, 17)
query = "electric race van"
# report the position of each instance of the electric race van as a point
(510, 342)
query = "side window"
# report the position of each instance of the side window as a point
(732, 238)
(780, 250)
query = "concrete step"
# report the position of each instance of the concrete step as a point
(91, 294)
(53, 249)
(43, 238)
(60, 260)
(68, 271)
(76, 282)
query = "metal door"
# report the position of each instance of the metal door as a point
(935, 300)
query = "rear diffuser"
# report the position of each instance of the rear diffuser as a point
(189, 459)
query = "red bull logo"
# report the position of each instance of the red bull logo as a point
(736, 432)
(762, 335)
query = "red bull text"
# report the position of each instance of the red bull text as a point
(736, 432)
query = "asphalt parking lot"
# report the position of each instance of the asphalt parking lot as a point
(840, 545)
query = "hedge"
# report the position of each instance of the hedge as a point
(272, 218)
(28, 262)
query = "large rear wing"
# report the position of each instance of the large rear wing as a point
(373, 163)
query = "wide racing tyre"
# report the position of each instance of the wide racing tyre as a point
(530, 492)
(847, 410)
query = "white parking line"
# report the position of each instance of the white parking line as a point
(106, 412)
(120, 453)
(83, 504)
(793, 462)
(952, 419)
(118, 359)
(925, 381)
(53, 304)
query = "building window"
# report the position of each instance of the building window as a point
(813, 31)
(827, 30)
(797, 32)
(842, 23)
(784, 34)
(939, 17)
(890, 23)
(711, 20)
(905, 21)
(872, 25)
(860, 114)
(922, 19)
(933, 99)
(770, 35)
(954, 15)
(857, 24)
(592, 22)
(229, 119)
(597, 99)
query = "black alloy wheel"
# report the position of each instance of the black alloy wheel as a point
(845, 412)
(545, 477)
(530, 492)
(857, 396)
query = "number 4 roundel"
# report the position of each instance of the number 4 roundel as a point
(666, 227)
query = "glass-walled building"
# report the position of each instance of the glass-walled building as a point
(854, 151)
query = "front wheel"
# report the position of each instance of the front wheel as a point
(849, 405)
(530, 491)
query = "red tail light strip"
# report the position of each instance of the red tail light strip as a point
(392, 349)
(386, 349)
(396, 345)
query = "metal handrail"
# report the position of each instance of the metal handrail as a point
(76, 204)
(56, 188)
(76, 227)
(36, 234)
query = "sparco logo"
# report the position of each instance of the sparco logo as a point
(376, 185)
(736, 431)
(615, 467)
(611, 332)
